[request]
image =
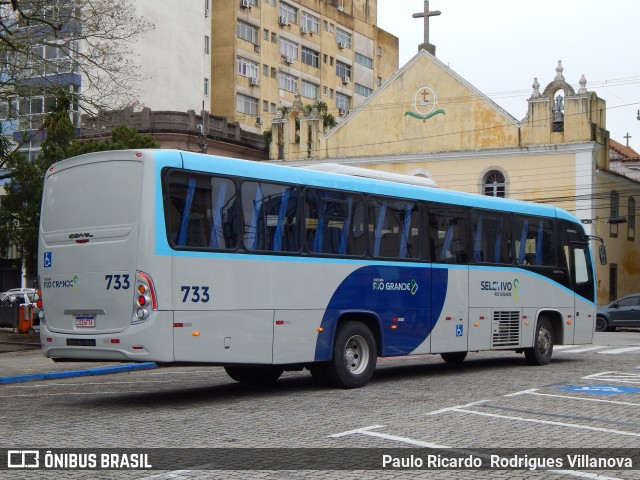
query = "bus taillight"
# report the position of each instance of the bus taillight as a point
(146, 297)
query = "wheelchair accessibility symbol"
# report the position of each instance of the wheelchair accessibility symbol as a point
(600, 389)
(47, 259)
(459, 330)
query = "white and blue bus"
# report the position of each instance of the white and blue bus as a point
(170, 256)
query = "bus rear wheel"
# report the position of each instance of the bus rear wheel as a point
(354, 356)
(454, 358)
(540, 353)
(255, 375)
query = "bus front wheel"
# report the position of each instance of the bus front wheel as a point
(254, 375)
(540, 353)
(354, 356)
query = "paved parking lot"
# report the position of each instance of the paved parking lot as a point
(588, 398)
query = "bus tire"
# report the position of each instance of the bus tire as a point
(454, 358)
(354, 356)
(540, 353)
(255, 375)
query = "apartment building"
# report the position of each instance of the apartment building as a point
(265, 52)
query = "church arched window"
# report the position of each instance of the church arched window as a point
(494, 184)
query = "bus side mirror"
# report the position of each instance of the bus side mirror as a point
(603, 254)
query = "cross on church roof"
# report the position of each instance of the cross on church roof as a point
(627, 136)
(426, 14)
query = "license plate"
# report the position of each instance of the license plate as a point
(85, 321)
(81, 342)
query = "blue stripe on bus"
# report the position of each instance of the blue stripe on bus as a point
(411, 299)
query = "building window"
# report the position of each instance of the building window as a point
(274, 37)
(265, 70)
(379, 50)
(363, 60)
(343, 38)
(246, 104)
(289, 12)
(631, 219)
(265, 35)
(206, 87)
(246, 68)
(343, 69)
(494, 184)
(614, 213)
(265, 106)
(362, 90)
(310, 57)
(247, 32)
(288, 48)
(342, 101)
(309, 90)
(288, 82)
(206, 44)
(310, 22)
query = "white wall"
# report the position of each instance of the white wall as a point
(172, 56)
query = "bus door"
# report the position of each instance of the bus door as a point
(579, 266)
(582, 279)
(447, 230)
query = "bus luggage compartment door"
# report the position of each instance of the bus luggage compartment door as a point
(226, 337)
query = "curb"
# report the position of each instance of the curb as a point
(78, 373)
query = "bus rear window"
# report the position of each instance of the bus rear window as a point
(72, 193)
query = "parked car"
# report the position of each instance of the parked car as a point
(624, 312)
(24, 296)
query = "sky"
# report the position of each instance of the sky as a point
(500, 46)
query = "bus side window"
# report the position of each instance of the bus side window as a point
(448, 235)
(492, 238)
(334, 222)
(394, 227)
(535, 241)
(270, 217)
(189, 207)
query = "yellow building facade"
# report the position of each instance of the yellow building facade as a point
(263, 52)
(427, 120)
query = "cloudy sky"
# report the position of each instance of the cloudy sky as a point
(499, 46)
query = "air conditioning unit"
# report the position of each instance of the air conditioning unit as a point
(253, 80)
(342, 112)
(289, 60)
(245, 4)
(304, 30)
(259, 121)
(342, 44)
(283, 21)
(346, 80)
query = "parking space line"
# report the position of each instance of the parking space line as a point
(368, 431)
(618, 377)
(620, 350)
(549, 422)
(534, 391)
(585, 349)
(443, 410)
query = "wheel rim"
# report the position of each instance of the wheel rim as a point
(599, 324)
(545, 342)
(356, 355)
